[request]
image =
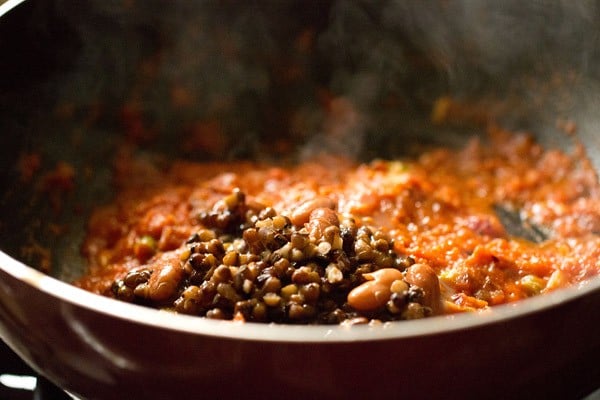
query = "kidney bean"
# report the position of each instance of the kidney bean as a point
(320, 220)
(423, 276)
(301, 214)
(164, 282)
(374, 293)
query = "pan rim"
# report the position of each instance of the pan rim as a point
(249, 331)
(8, 5)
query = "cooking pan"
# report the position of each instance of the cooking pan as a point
(83, 79)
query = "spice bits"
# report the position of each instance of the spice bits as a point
(246, 262)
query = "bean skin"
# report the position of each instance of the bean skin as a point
(301, 214)
(163, 283)
(423, 276)
(319, 220)
(375, 293)
(325, 216)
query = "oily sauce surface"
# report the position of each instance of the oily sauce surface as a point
(437, 212)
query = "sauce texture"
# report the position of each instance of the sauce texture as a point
(332, 241)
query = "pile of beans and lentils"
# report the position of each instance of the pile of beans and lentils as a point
(250, 263)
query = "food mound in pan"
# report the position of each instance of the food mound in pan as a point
(329, 241)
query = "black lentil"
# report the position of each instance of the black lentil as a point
(252, 264)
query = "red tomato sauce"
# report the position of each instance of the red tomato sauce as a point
(440, 212)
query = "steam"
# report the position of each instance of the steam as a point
(496, 38)
(338, 77)
(412, 51)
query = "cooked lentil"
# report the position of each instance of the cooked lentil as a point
(330, 241)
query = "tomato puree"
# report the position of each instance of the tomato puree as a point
(208, 239)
